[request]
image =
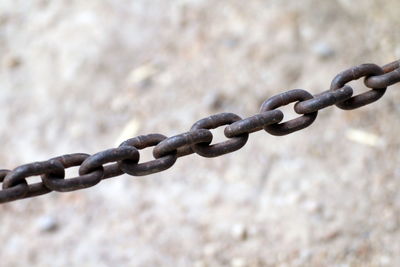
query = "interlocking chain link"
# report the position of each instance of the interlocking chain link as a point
(125, 158)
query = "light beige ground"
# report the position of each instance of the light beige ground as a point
(80, 76)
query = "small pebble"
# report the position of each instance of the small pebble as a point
(238, 262)
(323, 50)
(143, 75)
(239, 232)
(365, 138)
(12, 62)
(331, 235)
(47, 224)
(312, 207)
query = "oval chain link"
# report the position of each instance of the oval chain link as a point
(181, 143)
(127, 153)
(253, 124)
(153, 166)
(294, 124)
(323, 100)
(60, 184)
(212, 122)
(13, 193)
(355, 73)
(391, 76)
(16, 182)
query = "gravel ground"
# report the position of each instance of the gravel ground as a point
(82, 76)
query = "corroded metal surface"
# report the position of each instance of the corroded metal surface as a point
(125, 159)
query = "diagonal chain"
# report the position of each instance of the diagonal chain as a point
(125, 158)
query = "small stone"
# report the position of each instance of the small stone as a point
(331, 235)
(239, 232)
(365, 138)
(323, 50)
(238, 262)
(47, 224)
(312, 207)
(12, 62)
(143, 75)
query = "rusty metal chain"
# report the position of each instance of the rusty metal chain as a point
(125, 158)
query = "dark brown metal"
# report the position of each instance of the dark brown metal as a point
(180, 144)
(253, 124)
(3, 174)
(16, 179)
(60, 184)
(355, 73)
(212, 122)
(282, 100)
(323, 100)
(125, 159)
(157, 165)
(13, 193)
(16, 192)
(128, 153)
(391, 76)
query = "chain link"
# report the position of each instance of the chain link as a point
(323, 100)
(125, 158)
(212, 122)
(153, 166)
(391, 76)
(293, 125)
(357, 72)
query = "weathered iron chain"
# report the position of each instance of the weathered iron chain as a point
(125, 158)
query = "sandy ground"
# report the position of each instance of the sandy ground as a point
(82, 76)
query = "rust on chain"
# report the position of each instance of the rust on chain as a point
(294, 124)
(15, 181)
(391, 76)
(355, 73)
(127, 153)
(166, 150)
(181, 143)
(323, 100)
(153, 166)
(16, 192)
(253, 123)
(60, 184)
(212, 122)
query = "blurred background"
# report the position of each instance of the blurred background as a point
(82, 76)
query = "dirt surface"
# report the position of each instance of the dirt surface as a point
(82, 76)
